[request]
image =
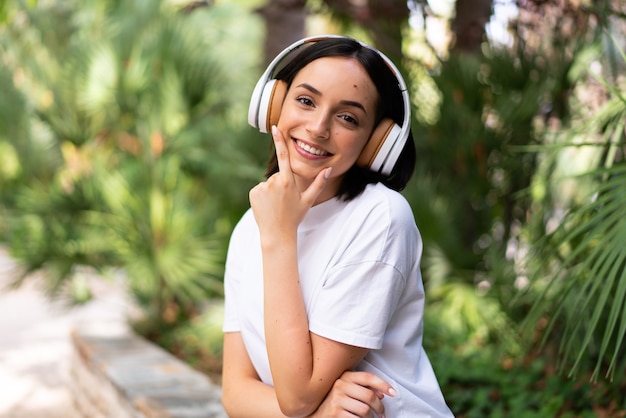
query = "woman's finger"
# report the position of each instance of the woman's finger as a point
(282, 152)
(371, 381)
(314, 190)
(358, 398)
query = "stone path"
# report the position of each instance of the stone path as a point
(35, 347)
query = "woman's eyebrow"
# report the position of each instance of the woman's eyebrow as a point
(343, 102)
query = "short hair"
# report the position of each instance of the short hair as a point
(389, 105)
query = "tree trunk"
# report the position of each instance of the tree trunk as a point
(383, 19)
(284, 23)
(469, 24)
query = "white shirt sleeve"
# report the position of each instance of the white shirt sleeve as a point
(356, 303)
(234, 273)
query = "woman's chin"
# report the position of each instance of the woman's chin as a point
(305, 171)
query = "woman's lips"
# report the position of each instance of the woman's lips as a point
(309, 150)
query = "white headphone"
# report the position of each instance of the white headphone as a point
(386, 142)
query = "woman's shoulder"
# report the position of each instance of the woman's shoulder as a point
(378, 191)
(381, 221)
(245, 226)
(378, 198)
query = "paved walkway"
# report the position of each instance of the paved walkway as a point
(35, 345)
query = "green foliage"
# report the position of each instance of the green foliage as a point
(487, 389)
(199, 341)
(581, 279)
(512, 152)
(130, 149)
(487, 108)
(480, 379)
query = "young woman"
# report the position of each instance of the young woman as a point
(324, 297)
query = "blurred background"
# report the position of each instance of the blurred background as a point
(125, 151)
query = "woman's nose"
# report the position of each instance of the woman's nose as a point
(319, 125)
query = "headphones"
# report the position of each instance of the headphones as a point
(387, 140)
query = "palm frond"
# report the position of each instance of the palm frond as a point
(585, 258)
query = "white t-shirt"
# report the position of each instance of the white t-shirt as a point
(362, 286)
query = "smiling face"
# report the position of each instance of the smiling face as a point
(327, 117)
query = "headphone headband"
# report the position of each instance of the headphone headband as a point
(389, 151)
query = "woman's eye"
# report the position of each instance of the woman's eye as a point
(305, 100)
(349, 119)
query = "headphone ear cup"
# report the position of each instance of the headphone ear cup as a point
(375, 143)
(271, 104)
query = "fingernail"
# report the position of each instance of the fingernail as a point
(328, 171)
(274, 129)
(392, 392)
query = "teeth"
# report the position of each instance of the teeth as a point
(310, 149)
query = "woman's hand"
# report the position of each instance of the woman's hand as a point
(355, 394)
(278, 205)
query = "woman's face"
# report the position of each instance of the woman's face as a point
(326, 119)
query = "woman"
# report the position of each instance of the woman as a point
(324, 298)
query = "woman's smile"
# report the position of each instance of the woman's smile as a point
(310, 151)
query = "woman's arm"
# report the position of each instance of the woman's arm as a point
(304, 366)
(243, 394)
